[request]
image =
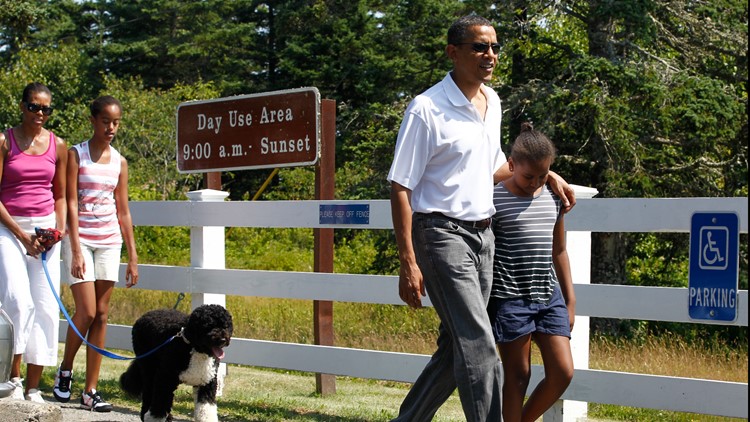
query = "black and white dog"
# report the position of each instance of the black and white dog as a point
(191, 358)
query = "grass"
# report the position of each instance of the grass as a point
(671, 357)
(255, 394)
(665, 356)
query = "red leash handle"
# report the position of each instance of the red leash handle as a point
(48, 237)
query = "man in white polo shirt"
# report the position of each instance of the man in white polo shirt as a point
(448, 150)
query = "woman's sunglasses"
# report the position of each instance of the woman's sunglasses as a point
(34, 108)
(482, 47)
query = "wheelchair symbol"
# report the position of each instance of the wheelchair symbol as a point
(713, 255)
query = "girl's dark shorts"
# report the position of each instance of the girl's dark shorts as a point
(514, 318)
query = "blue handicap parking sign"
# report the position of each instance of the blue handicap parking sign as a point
(714, 266)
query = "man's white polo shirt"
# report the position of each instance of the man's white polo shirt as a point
(447, 155)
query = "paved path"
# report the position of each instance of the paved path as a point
(71, 412)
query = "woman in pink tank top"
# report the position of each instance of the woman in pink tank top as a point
(32, 194)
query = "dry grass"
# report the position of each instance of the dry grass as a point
(660, 356)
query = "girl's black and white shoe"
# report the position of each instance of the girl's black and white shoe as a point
(93, 401)
(61, 390)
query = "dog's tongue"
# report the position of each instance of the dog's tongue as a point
(218, 353)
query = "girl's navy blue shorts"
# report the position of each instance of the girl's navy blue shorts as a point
(514, 318)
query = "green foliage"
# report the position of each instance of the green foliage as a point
(381, 44)
(168, 42)
(147, 135)
(293, 184)
(291, 250)
(16, 19)
(710, 38)
(269, 249)
(163, 245)
(61, 69)
(355, 254)
(370, 138)
(627, 112)
(647, 137)
(659, 260)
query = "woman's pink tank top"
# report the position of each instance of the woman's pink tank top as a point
(26, 187)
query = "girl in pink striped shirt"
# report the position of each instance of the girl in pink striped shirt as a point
(98, 222)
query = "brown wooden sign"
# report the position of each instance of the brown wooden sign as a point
(272, 129)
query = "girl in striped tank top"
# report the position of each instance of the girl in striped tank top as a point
(98, 222)
(532, 294)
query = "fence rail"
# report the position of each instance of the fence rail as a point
(710, 397)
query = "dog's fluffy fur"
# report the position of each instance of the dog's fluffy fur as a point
(191, 358)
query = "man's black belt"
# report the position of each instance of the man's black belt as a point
(480, 225)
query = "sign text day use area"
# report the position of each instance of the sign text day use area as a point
(271, 129)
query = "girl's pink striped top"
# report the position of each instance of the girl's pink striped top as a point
(97, 214)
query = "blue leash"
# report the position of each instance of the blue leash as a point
(101, 351)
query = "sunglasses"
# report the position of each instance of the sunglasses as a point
(483, 47)
(34, 108)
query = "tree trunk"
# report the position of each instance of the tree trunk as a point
(608, 250)
(599, 31)
(608, 255)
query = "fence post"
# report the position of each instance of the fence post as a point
(579, 253)
(207, 251)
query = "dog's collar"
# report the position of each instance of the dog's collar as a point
(181, 334)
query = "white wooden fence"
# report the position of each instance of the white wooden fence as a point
(207, 215)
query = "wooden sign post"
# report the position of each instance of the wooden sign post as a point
(325, 177)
